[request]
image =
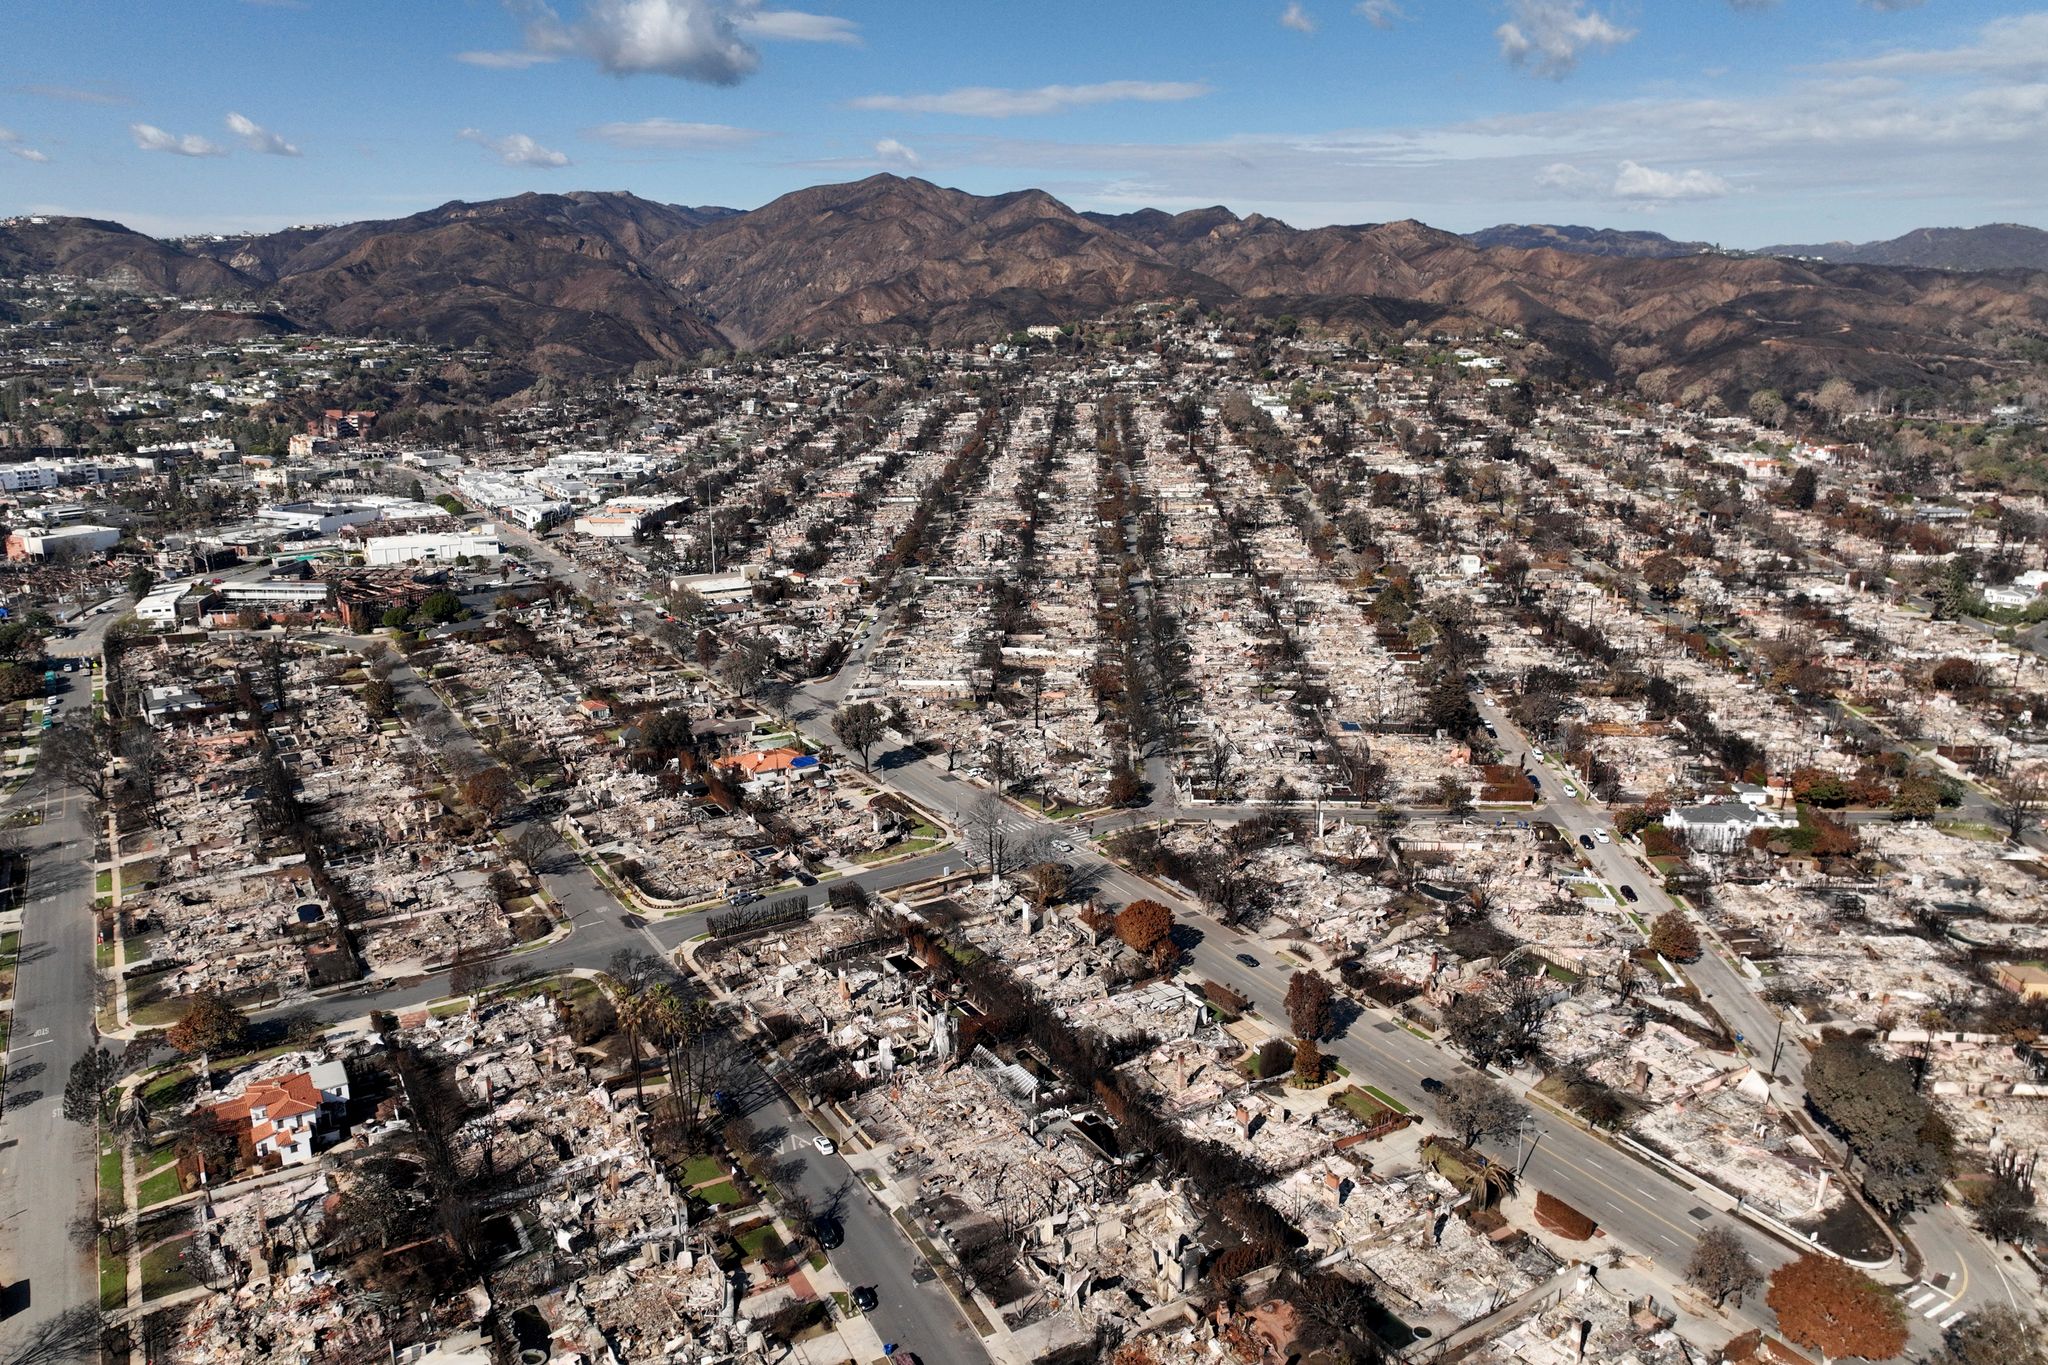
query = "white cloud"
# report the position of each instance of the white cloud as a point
(1890, 6)
(516, 59)
(1547, 36)
(1379, 13)
(257, 138)
(151, 138)
(1297, 18)
(1632, 182)
(1635, 181)
(71, 94)
(795, 26)
(891, 151)
(981, 101)
(12, 144)
(2015, 47)
(516, 149)
(695, 40)
(671, 135)
(711, 41)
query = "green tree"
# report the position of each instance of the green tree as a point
(440, 608)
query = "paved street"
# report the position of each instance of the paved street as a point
(48, 1165)
(916, 1316)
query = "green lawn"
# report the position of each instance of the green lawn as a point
(113, 1281)
(163, 1270)
(724, 1192)
(702, 1170)
(760, 1242)
(159, 1187)
(1388, 1100)
(1363, 1107)
(103, 883)
(174, 1086)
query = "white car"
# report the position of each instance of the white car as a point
(1062, 846)
(1601, 835)
(1571, 791)
(826, 1146)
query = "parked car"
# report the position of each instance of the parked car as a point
(1062, 846)
(1585, 841)
(1432, 1085)
(1628, 893)
(830, 1233)
(825, 1145)
(1602, 836)
(865, 1298)
(1247, 959)
(745, 898)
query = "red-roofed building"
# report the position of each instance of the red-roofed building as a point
(285, 1115)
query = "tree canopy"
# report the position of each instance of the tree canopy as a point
(1826, 1306)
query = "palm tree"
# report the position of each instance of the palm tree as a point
(643, 1014)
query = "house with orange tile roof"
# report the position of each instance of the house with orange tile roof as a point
(283, 1117)
(761, 762)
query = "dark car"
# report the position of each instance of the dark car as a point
(830, 1233)
(1247, 959)
(1585, 841)
(745, 898)
(1628, 893)
(1432, 1085)
(1535, 782)
(864, 1298)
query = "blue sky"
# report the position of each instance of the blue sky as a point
(1740, 121)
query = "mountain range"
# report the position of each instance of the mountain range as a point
(1994, 246)
(587, 282)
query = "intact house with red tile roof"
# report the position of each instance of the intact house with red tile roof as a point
(284, 1117)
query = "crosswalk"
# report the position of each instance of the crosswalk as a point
(1938, 1306)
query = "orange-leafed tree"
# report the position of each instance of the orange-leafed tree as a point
(1831, 1308)
(1144, 924)
(211, 1023)
(1673, 935)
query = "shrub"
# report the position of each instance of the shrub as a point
(1557, 1217)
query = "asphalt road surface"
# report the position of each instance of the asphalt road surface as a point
(48, 1165)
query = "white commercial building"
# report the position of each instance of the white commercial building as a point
(62, 542)
(159, 607)
(301, 593)
(324, 517)
(444, 547)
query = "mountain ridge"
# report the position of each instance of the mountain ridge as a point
(590, 281)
